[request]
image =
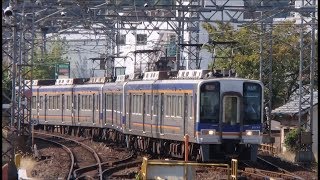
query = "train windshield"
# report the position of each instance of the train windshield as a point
(252, 97)
(209, 102)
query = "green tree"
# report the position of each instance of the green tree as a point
(6, 83)
(244, 57)
(44, 63)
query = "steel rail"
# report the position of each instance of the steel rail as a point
(85, 146)
(277, 167)
(65, 148)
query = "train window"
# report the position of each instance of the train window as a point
(156, 104)
(68, 102)
(98, 102)
(50, 102)
(74, 102)
(231, 110)
(168, 106)
(53, 102)
(139, 104)
(190, 106)
(209, 102)
(78, 103)
(180, 105)
(148, 104)
(114, 103)
(41, 102)
(174, 106)
(90, 102)
(63, 103)
(58, 102)
(132, 104)
(109, 101)
(118, 102)
(82, 102)
(86, 101)
(252, 99)
(34, 102)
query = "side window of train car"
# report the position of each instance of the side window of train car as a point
(50, 102)
(90, 102)
(34, 102)
(179, 106)
(41, 102)
(75, 102)
(148, 104)
(82, 101)
(53, 102)
(133, 100)
(190, 106)
(109, 101)
(167, 109)
(58, 102)
(96, 102)
(68, 103)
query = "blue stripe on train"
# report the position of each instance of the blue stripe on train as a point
(160, 86)
(227, 128)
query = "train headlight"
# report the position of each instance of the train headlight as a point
(211, 132)
(249, 133)
(252, 133)
(208, 132)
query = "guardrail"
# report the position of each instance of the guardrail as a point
(269, 148)
(164, 169)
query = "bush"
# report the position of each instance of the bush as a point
(291, 140)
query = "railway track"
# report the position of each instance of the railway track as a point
(125, 165)
(267, 169)
(82, 166)
(68, 150)
(110, 168)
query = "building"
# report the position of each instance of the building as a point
(288, 116)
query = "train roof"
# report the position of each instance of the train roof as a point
(181, 76)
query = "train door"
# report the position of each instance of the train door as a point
(129, 110)
(112, 107)
(93, 106)
(161, 113)
(62, 107)
(231, 115)
(185, 113)
(38, 104)
(45, 107)
(104, 107)
(99, 107)
(143, 111)
(78, 108)
(73, 99)
(119, 109)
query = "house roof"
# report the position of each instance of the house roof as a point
(292, 107)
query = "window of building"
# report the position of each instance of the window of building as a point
(121, 39)
(141, 39)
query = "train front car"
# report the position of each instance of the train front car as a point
(229, 121)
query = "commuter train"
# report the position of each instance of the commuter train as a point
(221, 115)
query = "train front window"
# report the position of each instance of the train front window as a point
(231, 110)
(252, 97)
(209, 102)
